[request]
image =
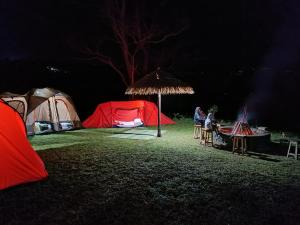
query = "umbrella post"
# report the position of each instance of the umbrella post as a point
(159, 112)
(159, 82)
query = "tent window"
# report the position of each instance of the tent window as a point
(19, 106)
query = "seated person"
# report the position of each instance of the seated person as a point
(199, 116)
(211, 124)
(208, 124)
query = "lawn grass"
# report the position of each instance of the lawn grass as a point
(97, 179)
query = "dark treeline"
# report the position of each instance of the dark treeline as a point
(228, 87)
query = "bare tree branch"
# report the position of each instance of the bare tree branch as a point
(167, 36)
(134, 36)
(95, 55)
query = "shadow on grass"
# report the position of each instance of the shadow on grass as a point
(262, 157)
(263, 152)
(278, 148)
(56, 154)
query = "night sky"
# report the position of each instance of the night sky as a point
(237, 53)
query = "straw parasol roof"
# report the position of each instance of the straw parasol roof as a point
(159, 81)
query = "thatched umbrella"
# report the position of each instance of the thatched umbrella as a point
(160, 83)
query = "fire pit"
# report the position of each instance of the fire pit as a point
(257, 138)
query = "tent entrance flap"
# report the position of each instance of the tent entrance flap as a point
(128, 117)
(126, 114)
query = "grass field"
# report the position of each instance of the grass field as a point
(96, 178)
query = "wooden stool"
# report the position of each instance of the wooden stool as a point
(293, 143)
(239, 144)
(207, 137)
(197, 131)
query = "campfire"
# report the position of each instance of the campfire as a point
(241, 126)
(256, 137)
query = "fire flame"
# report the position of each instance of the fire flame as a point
(241, 126)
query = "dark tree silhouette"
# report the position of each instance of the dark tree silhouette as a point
(135, 28)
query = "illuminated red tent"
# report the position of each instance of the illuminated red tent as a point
(109, 114)
(19, 163)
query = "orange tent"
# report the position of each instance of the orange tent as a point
(19, 163)
(109, 114)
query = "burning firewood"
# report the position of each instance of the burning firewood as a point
(241, 126)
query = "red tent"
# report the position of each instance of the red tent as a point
(109, 114)
(19, 163)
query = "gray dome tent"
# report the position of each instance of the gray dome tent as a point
(45, 110)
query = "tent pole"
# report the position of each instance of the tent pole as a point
(159, 112)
